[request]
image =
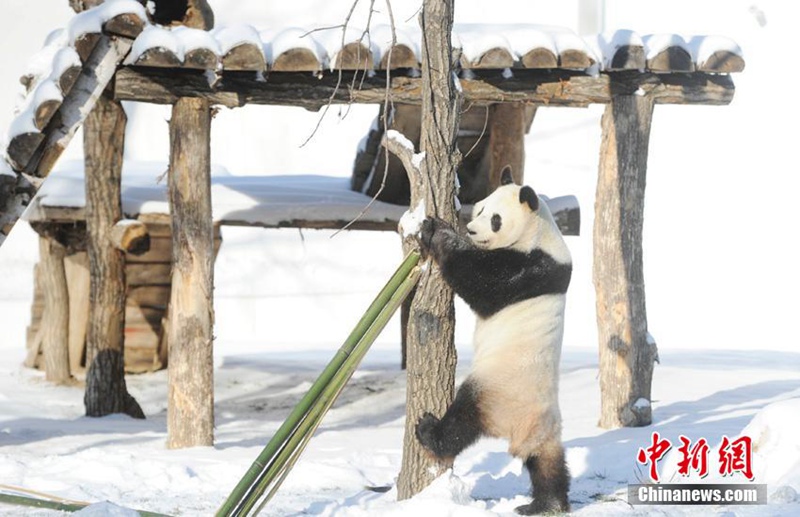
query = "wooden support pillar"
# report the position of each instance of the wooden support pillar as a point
(626, 355)
(55, 321)
(507, 127)
(190, 415)
(104, 139)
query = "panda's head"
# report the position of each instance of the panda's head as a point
(513, 217)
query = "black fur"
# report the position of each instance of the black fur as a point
(497, 223)
(490, 280)
(528, 195)
(550, 480)
(459, 428)
(506, 177)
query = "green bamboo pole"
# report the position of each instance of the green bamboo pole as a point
(232, 505)
(63, 506)
(277, 471)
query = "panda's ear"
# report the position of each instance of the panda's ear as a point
(506, 177)
(527, 195)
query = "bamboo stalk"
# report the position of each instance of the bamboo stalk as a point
(246, 486)
(60, 505)
(283, 463)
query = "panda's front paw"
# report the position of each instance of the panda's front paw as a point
(426, 234)
(431, 226)
(426, 431)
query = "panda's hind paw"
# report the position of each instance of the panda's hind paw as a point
(426, 431)
(541, 506)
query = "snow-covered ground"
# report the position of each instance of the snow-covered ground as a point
(720, 267)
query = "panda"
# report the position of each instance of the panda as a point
(513, 269)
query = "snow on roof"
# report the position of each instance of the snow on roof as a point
(256, 200)
(243, 47)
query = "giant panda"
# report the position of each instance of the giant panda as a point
(513, 269)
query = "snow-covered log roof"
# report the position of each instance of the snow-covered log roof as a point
(531, 63)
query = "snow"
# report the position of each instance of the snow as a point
(284, 298)
(411, 221)
(235, 35)
(152, 37)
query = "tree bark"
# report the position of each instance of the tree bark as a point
(55, 323)
(104, 137)
(190, 416)
(626, 355)
(431, 359)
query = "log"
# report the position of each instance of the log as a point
(127, 25)
(150, 296)
(492, 58)
(97, 73)
(201, 59)
(68, 79)
(245, 56)
(55, 322)
(130, 236)
(44, 113)
(296, 60)
(628, 57)
(159, 57)
(626, 356)
(34, 332)
(539, 58)
(671, 59)
(401, 56)
(21, 149)
(722, 61)
(353, 56)
(545, 87)
(190, 412)
(160, 251)
(575, 59)
(76, 267)
(85, 45)
(148, 274)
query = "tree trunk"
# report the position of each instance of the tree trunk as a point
(626, 355)
(104, 139)
(431, 359)
(190, 416)
(55, 323)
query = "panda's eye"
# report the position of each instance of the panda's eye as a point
(480, 212)
(497, 223)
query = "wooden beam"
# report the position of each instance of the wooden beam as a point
(76, 267)
(626, 356)
(507, 124)
(55, 320)
(190, 412)
(542, 87)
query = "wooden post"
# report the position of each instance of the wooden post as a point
(626, 355)
(104, 139)
(507, 124)
(76, 267)
(431, 354)
(55, 321)
(190, 415)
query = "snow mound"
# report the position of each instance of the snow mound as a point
(776, 446)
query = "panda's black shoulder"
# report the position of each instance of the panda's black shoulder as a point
(496, 279)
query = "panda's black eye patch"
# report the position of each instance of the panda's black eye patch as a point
(497, 223)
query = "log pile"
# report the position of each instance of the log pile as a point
(146, 309)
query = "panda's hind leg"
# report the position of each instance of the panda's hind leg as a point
(550, 480)
(459, 428)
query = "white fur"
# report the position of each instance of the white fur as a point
(518, 349)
